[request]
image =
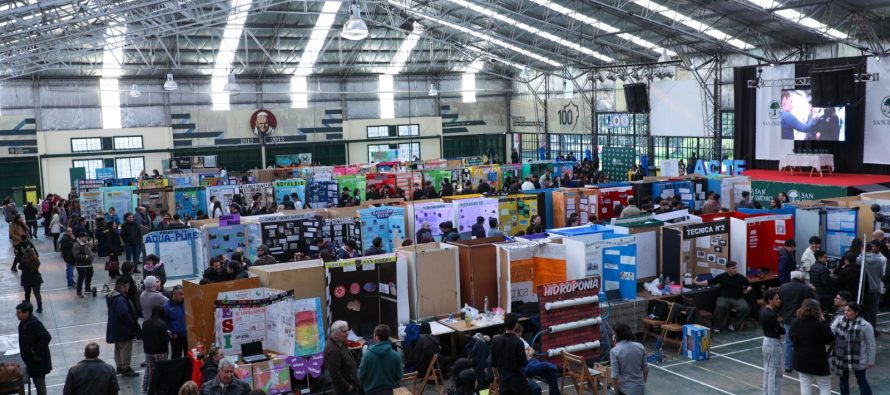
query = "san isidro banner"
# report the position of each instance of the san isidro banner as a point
(877, 114)
(770, 145)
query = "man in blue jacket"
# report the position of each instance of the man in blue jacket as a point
(122, 327)
(381, 368)
(174, 309)
(787, 263)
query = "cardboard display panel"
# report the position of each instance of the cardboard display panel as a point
(323, 194)
(516, 211)
(225, 240)
(433, 279)
(756, 238)
(157, 200)
(256, 314)
(305, 278)
(121, 198)
(388, 223)
(467, 210)
(565, 203)
(338, 230)
(526, 265)
(224, 194)
(433, 212)
(181, 251)
(200, 314)
(572, 317)
(190, 200)
(479, 272)
(264, 189)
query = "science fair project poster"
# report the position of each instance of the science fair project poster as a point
(180, 250)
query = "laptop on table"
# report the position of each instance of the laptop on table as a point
(253, 352)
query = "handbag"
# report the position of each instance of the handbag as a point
(112, 266)
(10, 372)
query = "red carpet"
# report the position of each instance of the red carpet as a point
(836, 179)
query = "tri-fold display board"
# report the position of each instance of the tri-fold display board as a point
(695, 248)
(836, 226)
(565, 203)
(755, 239)
(523, 266)
(368, 291)
(433, 279)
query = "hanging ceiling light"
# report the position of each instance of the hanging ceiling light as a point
(134, 91)
(664, 56)
(232, 86)
(433, 91)
(523, 75)
(170, 85)
(355, 28)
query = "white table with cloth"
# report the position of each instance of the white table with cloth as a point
(816, 162)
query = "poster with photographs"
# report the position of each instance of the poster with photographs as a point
(262, 190)
(323, 194)
(189, 201)
(338, 230)
(155, 200)
(226, 240)
(222, 193)
(286, 235)
(388, 223)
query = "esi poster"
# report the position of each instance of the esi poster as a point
(386, 222)
(181, 251)
(256, 314)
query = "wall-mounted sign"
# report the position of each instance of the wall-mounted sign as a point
(727, 167)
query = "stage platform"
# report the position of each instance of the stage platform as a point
(836, 179)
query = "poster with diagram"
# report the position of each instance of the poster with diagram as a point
(121, 198)
(256, 314)
(366, 292)
(386, 222)
(189, 200)
(470, 209)
(434, 213)
(181, 251)
(225, 240)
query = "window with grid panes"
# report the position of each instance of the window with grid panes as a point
(635, 133)
(409, 130)
(90, 165)
(129, 167)
(86, 144)
(528, 146)
(727, 134)
(128, 143)
(378, 131)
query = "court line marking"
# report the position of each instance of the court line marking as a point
(692, 380)
(761, 368)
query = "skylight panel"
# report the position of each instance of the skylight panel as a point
(226, 54)
(694, 24)
(800, 19)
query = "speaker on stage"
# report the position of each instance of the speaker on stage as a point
(832, 87)
(636, 96)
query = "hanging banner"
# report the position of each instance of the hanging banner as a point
(770, 145)
(877, 114)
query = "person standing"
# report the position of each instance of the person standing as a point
(875, 263)
(133, 292)
(508, 357)
(745, 202)
(113, 248)
(83, 261)
(808, 259)
(91, 376)
(31, 218)
(811, 336)
(132, 237)
(786, 261)
(772, 343)
(20, 236)
(55, 228)
(66, 244)
(793, 294)
(264, 257)
(122, 327)
(31, 278)
(34, 346)
(151, 296)
(493, 230)
(733, 288)
(820, 278)
(854, 349)
(174, 310)
(155, 340)
(154, 267)
(628, 359)
(478, 229)
(840, 304)
(381, 368)
(424, 230)
(339, 361)
(376, 247)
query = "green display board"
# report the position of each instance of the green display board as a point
(353, 182)
(763, 191)
(617, 161)
(436, 176)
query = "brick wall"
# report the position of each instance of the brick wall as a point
(565, 291)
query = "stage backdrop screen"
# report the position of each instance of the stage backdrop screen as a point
(800, 121)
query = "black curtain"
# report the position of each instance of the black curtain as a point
(847, 154)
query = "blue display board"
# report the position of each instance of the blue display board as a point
(226, 240)
(323, 194)
(386, 222)
(840, 229)
(620, 265)
(123, 199)
(189, 200)
(668, 189)
(181, 251)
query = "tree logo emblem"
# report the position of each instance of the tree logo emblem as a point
(774, 109)
(793, 195)
(885, 106)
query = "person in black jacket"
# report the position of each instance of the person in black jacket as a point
(127, 269)
(155, 340)
(31, 278)
(122, 326)
(91, 376)
(811, 336)
(66, 244)
(34, 346)
(339, 361)
(848, 276)
(448, 231)
(30, 213)
(478, 229)
(132, 237)
(793, 294)
(820, 277)
(236, 272)
(113, 247)
(427, 347)
(376, 247)
(508, 357)
(446, 188)
(211, 364)
(214, 272)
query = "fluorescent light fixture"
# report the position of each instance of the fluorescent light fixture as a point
(490, 13)
(317, 38)
(299, 91)
(387, 96)
(405, 48)
(800, 19)
(696, 25)
(599, 25)
(110, 100)
(134, 91)
(433, 91)
(170, 84)
(232, 86)
(219, 97)
(482, 36)
(355, 28)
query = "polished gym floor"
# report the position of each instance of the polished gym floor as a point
(734, 367)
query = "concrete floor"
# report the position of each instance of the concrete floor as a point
(735, 366)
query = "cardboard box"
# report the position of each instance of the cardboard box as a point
(696, 342)
(200, 311)
(433, 279)
(305, 278)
